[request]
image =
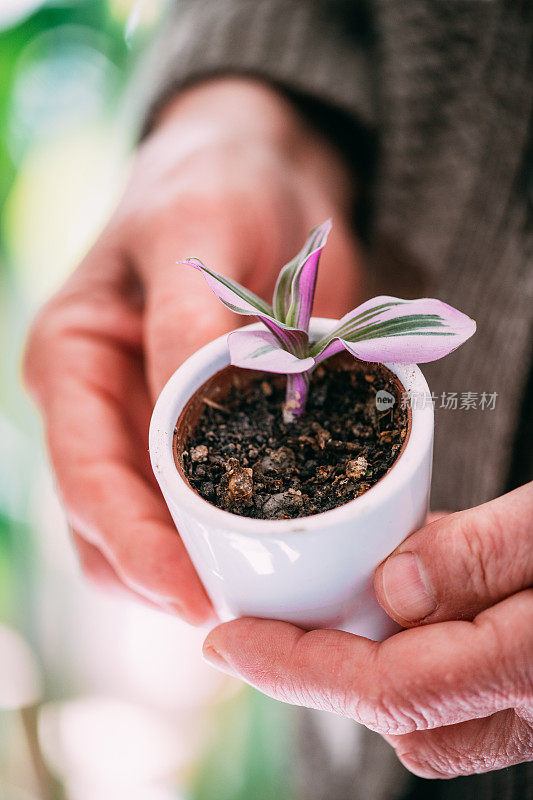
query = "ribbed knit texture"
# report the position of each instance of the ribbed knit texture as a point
(456, 100)
(448, 85)
(276, 40)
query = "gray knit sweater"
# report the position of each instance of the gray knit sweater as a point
(444, 87)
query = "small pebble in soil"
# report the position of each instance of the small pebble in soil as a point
(357, 468)
(322, 436)
(246, 460)
(239, 486)
(283, 504)
(199, 453)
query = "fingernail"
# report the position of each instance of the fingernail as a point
(173, 607)
(176, 608)
(406, 587)
(215, 659)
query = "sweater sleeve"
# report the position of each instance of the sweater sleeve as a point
(319, 49)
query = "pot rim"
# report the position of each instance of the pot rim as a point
(213, 357)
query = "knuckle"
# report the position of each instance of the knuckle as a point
(50, 349)
(400, 715)
(436, 759)
(389, 707)
(481, 552)
(427, 762)
(168, 331)
(292, 691)
(428, 757)
(511, 653)
(464, 749)
(520, 746)
(191, 205)
(43, 341)
(92, 573)
(388, 713)
(92, 565)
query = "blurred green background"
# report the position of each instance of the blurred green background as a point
(100, 698)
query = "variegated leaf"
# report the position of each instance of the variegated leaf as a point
(295, 287)
(229, 292)
(241, 301)
(388, 329)
(261, 350)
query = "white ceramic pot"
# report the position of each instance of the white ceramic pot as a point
(317, 571)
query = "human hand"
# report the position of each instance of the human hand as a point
(231, 174)
(454, 693)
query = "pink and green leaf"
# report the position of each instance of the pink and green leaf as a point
(295, 287)
(388, 329)
(241, 301)
(261, 350)
(232, 294)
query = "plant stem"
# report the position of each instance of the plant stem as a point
(296, 396)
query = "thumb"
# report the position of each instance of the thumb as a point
(457, 566)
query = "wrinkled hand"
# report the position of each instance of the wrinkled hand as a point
(230, 174)
(454, 693)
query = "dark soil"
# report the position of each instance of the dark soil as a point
(242, 457)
